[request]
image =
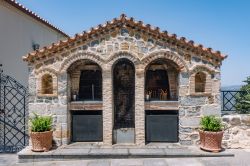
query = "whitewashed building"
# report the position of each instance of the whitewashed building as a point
(22, 31)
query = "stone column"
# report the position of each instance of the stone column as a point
(139, 107)
(107, 106)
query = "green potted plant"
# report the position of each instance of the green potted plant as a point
(41, 133)
(211, 133)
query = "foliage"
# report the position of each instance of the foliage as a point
(41, 123)
(211, 123)
(243, 98)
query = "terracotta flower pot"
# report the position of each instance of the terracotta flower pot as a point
(211, 141)
(41, 141)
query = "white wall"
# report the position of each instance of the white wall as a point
(17, 33)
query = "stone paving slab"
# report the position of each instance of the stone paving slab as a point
(146, 152)
(98, 152)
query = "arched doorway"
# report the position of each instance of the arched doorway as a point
(161, 100)
(85, 83)
(124, 101)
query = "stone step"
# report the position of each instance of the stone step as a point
(26, 155)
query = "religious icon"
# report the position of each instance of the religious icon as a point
(163, 94)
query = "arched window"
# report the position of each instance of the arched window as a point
(47, 84)
(200, 82)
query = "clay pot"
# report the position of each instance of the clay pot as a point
(41, 141)
(211, 141)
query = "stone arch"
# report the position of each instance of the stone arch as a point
(120, 55)
(80, 55)
(48, 70)
(166, 55)
(198, 68)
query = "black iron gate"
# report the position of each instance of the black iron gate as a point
(124, 94)
(13, 113)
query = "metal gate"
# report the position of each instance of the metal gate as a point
(13, 113)
(124, 102)
(87, 126)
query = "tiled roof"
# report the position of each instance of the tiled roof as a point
(128, 21)
(34, 15)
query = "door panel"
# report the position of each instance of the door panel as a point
(87, 126)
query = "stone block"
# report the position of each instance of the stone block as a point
(63, 100)
(58, 109)
(190, 121)
(156, 162)
(248, 132)
(235, 120)
(61, 134)
(184, 78)
(245, 119)
(182, 111)
(194, 136)
(211, 110)
(186, 142)
(193, 111)
(185, 129)
(192, 100)
(226, 118)
(62, 118)
(183, 90)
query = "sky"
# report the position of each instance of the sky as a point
(223, 25)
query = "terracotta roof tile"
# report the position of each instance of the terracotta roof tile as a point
(124, 19)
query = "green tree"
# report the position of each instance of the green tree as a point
(243, 99)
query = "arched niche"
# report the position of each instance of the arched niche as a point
(47, 84)
(85, 80)
(161, 80)
(200, 82)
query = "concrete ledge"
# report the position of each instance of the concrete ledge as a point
(64, 153)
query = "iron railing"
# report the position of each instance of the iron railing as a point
(229, 100)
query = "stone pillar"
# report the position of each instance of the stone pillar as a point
(61, 113)
(139, 107)
(188, 113)
(107, 106)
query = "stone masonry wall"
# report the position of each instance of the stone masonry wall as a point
(237, 133)
(141, 50)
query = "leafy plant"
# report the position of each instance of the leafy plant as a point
(243, 98)
(211, 123)
(41, 123)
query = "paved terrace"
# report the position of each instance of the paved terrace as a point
(78, 151)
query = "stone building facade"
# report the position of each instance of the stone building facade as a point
(121, 70)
